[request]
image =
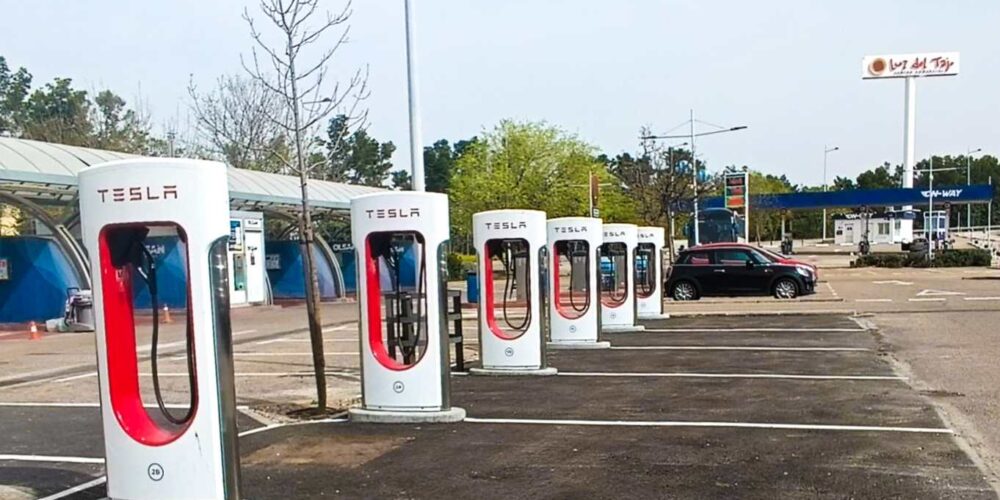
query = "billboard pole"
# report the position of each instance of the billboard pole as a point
(746, 206)
(909, 129)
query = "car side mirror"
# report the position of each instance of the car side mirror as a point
(750, 264)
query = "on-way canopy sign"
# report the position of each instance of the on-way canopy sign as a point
(910, 65)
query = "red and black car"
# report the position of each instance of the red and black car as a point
(737, 269)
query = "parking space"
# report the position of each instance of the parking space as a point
(799, 407)
(875, 290)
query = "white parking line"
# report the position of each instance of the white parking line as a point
(147, 347)
(78, 488)
(981, 298)
(279, 354)
(791, 376)
(791, 330)
(263, 374)
(834, 292)
(276, 341)
(734, 348)
(101, 480)
(681, 423)
(49, 458)
(74, 377)
(928, 299)
(873, 300)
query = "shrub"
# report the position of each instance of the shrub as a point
(944, 258)
(458, 264)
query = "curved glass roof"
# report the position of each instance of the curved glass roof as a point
(46, 172)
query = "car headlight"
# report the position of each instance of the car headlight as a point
(804, 271)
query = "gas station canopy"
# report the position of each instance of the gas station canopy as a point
(47, 173)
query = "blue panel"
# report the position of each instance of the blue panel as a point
(39, 274)
(171, 274)
(288, 280)
(348, 266)
(957, 195)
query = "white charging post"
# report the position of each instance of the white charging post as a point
(401, 240)
(649, 273)
(618, 304)
(574, 305)
(151, 452)
(511, 245)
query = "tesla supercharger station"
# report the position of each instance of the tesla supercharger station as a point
(574, 305)
(511, 245)
(617, 254)
(649, 273)
(156, 452)
(401, 239)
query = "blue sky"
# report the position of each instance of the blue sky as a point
(790, 70)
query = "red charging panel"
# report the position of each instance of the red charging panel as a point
(123, 363)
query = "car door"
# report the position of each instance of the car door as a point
(741, 271)
(697, 266)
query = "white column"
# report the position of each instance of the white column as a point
(416, 138)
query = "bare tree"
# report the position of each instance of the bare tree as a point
(300, 85)
(242, 121)
(660, 179)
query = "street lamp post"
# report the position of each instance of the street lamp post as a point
(413, 91)
(826, 153)
(968, 181)
(694, 162)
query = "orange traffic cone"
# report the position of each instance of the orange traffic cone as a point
(166, 314)
(33, 332)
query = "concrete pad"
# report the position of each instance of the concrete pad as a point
(622, 328)
(602, 344)
(508, 372)
(647, 317)
(451, 415)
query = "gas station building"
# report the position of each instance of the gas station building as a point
(38, 270)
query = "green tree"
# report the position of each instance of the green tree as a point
(532, 166)
(439, 163)
(14, 89)
(58, 113)
(766, 224)
(881, 177)
(355, 157)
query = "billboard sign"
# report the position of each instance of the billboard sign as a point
(910, 65)
(736, 190)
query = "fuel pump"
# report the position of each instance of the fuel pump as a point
(152, 452)
(574, 307)
(511, 247)
(401, 240)
(618, 289)
(649, 273)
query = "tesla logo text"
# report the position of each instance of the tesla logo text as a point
(393, 213)
(614, 234)
(646, 235)
(571, 229)
(507, 225)
(137, 193)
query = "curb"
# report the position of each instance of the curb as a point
(817, 312)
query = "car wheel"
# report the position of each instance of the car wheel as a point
(786, 288)
(685, 290)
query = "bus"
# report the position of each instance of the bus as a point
(716, 225)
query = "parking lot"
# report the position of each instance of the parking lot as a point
(798, 406)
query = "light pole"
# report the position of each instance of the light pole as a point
(968, 181)
(694, 162)
(826, 153)
(416, 138)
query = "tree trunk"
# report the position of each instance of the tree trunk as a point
(306, 238)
